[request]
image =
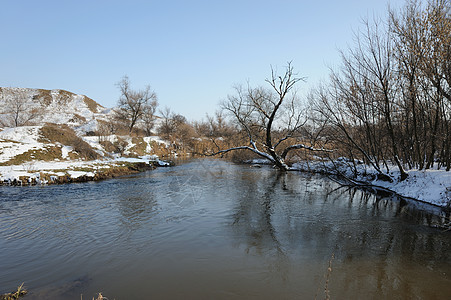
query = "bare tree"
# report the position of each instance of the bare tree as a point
(218, 126)
(175, 127)
(17, 109)
(148, 117)
(135, 105)
(422, 35)
(167, 126)
(270, 118)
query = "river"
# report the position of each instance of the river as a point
(210, 229)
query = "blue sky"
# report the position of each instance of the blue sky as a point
(190, 52)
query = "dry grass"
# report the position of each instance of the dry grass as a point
(49, 153)
(64, 97)
(14, 295)
(92, 105)
(100, 297)
(44, 96)
(139, 147)
(77, 118)
(63, 134)
(108, 146)
(327, 279)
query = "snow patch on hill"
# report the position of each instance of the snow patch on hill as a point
(18, 140)
(52, 106)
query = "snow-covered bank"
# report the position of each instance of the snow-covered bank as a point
(40, 172)
(27, 156)
(430, 186)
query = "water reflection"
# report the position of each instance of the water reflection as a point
(214, 230)
(376, 240)
(136, 204)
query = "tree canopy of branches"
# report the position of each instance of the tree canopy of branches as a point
(389, 102)
(136, 106)
(270, 118)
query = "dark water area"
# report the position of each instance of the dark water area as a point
(209, 229)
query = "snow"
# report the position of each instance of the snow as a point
(157, 139)
(23, 134)
(65, 151)
(430, 186)
(94, 142)
(77, 174)
(18, 140)
(63, 108)
(33, 169)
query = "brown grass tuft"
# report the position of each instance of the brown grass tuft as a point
(78, 119)
(44, 96)
(92, 105)
(49, 153)
(63, 134)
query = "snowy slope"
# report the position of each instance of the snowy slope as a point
(18, 140)
(53, 106)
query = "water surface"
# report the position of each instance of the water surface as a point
(209, 229)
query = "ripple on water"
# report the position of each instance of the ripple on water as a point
(216, 230)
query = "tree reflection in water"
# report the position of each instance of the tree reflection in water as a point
(376, 240)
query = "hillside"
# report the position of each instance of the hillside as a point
(26, 106)
(54, 132)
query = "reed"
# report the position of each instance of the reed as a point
(14, 295)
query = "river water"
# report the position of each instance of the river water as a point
(209, 229)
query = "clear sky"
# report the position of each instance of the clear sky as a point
(190, 52)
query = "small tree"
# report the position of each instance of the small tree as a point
(269, 117)
(167, 126)
(134, 106)
(16, 107)
(148, 117)
(175, 126)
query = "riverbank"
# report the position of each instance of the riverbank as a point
(430, 186)
(55, 153)
(40, 172)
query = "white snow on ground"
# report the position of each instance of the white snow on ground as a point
(24, 134)
(18, 140)
(77, 174)
(156, 139)
(94, 141)
(430, 186)
(33, 169)
(61, 107)
(65, 151)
